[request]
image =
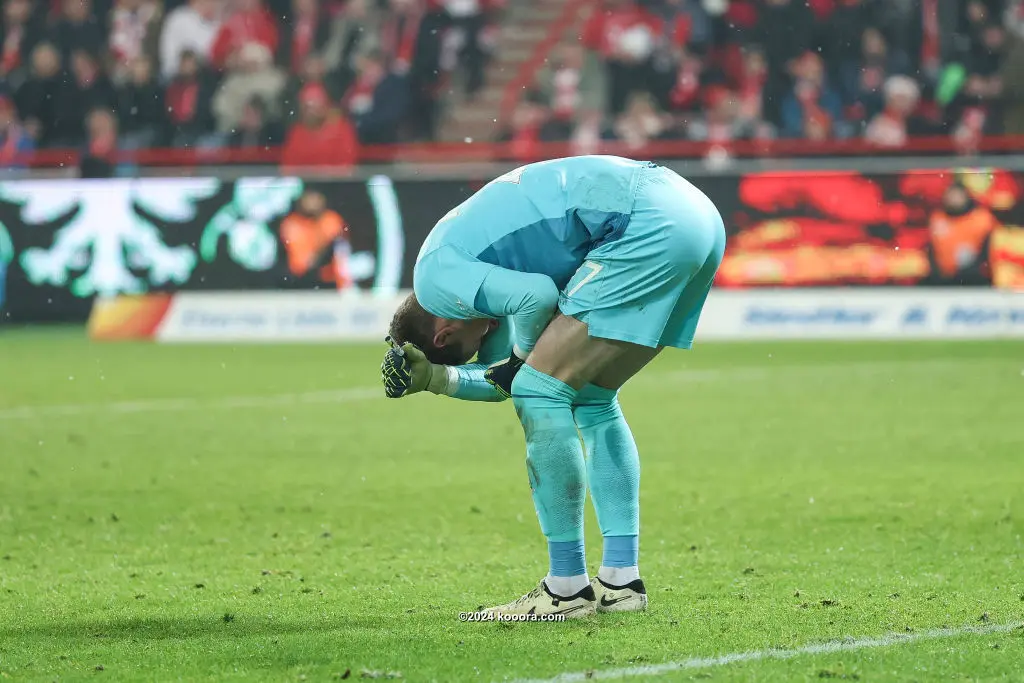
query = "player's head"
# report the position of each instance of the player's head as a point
(444, 341)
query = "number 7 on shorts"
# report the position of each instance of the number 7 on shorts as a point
(594, 269)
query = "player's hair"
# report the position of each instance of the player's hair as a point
(412, 323)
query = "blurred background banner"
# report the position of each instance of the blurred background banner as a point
(70, 241)
(66, 242)
(807, 313)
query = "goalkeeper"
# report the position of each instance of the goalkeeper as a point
(563, 278)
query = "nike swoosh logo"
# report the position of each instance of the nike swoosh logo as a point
(605, 602)
(570, 610)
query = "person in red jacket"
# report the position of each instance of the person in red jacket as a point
(250, 23)
(320, 137)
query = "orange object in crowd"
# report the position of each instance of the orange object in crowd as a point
(955, 236)
(306, 237)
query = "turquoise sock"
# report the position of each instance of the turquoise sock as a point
(554, 462)
(613, 472)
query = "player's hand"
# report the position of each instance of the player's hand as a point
(501, 374)
(396, 373)
(406, 370)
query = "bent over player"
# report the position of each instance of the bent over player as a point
(572, 274)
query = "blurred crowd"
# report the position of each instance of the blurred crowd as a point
(724, 70)
(319, 77)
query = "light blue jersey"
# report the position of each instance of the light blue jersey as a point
(541, 218)
(611, 241)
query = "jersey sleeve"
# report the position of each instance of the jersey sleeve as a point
(530, 299)
(497, 345)
(466, 382)
(446, 282)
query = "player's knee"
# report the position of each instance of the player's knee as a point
(530, 383)
(595, 405)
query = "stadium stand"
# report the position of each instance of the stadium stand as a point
(327, 82)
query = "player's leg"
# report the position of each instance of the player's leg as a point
(544, 391)
(613, 476)
(613, 462)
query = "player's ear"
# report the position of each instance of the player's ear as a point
(443, 336)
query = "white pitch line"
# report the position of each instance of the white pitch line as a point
(170, 405)
(845, 645)
(189, 404)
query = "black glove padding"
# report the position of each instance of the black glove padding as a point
(396, 374)
(501, 374)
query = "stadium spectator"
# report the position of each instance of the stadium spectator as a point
(89, 88)
(1012, 73)
(427, 73)
(354, 31)
(861, 79)
(842, 38)
(684, 93)
(892, 126)
(254, 128)
(141, 111)
(249, 23)
(305, 33)
(252, 74)
(984, 85)
(625, 34)
(377, 101)
(316, 241)
(531, 124)
(750, 95)
(38, 97)
(99, 158)
(722, 121)
(314, 70)
(589, 132)
(570, 84)
(133, 33)
(687, 23)
(188, 98)
(77, 29)
(14, 139)
(810, 99)
(641, 122)
(19, 32)
(321, 137)
(960, 231)
(400, 34)
(468, 20)
(189, 28)
(785, 30)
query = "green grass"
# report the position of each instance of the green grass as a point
(791, 494)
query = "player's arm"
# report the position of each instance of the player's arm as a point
(406, 371)
(468, 382)
(530, 300)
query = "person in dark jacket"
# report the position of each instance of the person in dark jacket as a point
(377, 101)
(77, 28)
(38, 98)
(254, 130)
(87, 88)
(140, 106)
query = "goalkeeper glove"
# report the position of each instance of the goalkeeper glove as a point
(406, 370)
(501, 374)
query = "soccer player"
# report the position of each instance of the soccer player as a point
(572, 274)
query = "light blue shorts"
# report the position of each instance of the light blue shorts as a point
(649, 285)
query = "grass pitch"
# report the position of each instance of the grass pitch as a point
(261, 513)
